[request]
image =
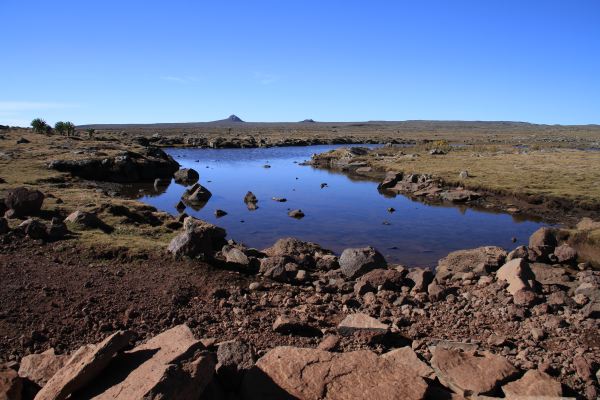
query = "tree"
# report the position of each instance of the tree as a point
(40, 126)
(60, 127)
(69, 128)
(91, 132)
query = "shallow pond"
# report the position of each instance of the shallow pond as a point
(346, 213)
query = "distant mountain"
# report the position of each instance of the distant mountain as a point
(231, 118)
(308, 121)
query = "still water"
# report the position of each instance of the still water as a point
(346, 213)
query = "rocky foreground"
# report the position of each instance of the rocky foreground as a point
(291, 321)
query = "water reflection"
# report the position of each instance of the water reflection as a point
(347, 212)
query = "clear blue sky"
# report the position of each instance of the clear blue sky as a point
(175, 61)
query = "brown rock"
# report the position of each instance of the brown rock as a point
(583, 368)
(198, 238)
(480, 261)
(329, 343)
(534, 384)
(288, 372)
(543, 241)
(517, 274)
(357, 262)
(39, 368)
(525, 297)
(234, 359)
(565, 254)
(462, 372)
(407, 357)
(11, 385)
(83, 366)
(420, 278)
(361, 323)
(172, 365)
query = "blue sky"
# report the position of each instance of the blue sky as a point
(157, 61)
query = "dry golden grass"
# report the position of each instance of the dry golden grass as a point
(572, 174)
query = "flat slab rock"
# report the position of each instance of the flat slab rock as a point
(470, 374)
(359, 323)
(83, 366)
(172, 365)
(39, 368)
(534, 384)
(297, 373)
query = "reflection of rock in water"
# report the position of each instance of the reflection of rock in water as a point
(251, 206)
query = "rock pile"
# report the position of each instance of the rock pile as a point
(175, 365)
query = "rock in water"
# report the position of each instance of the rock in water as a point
(250, 198)
(462, 372)
(298, 214)
(310, 374)
(23, 201)
(186, 176)
(357, 262)
(196, 195)
(199, 238)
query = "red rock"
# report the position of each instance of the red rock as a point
(534, 384)
(39, 368)
(462, 372)
(83, 366)
(11, 385)
(361, 323)
(289, 372)
(172, 365)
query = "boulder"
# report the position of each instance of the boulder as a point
(480, 261)
(296, 214)
(11, 385)
(39, 368)
(292, 247)
(172, 365)
(34, 229)
(23, 201)
(517, 274)
(127, 167)
(519, 252)
(565, 254)
(274, 268)
(186, 176)
(199, 238)
(436, 291)
(83, 366)
(361, 323)
(197, 195)
(462, 372)
(84, 219)
(235, 255)
(250, 198)
(420, 278)
(525, 297)
(407, 357)
(534, 384)
(385, 279)
(390, 180)
(543, 241)
(234, 358)
(310, 374)
(460, 195)
(357, 262)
